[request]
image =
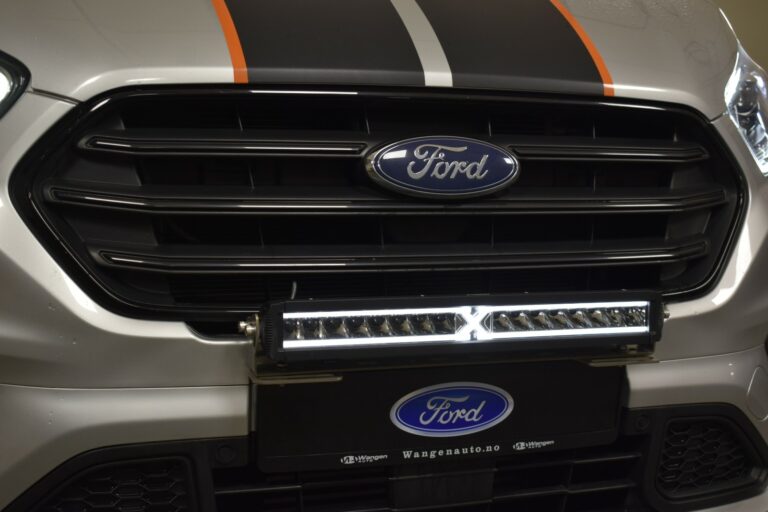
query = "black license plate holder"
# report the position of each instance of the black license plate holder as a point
(347, 423)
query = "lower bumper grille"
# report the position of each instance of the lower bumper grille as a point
(638, 472)
(162, 485)
(579, 480)
(702, 456)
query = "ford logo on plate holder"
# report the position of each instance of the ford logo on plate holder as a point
(443, 167)
(453, 409)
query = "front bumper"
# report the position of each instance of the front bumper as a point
(53, 425)
(76, 377)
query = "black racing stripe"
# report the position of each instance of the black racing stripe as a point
(512, 44)
(325, 41)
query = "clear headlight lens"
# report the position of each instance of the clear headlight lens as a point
(13, 79)
(746, 97)
(5, 85)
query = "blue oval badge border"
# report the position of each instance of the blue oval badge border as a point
(394, 413)
(380, 176)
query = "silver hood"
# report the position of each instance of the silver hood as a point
(680, 51)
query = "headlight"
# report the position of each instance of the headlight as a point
(13, 79)
(747, 101)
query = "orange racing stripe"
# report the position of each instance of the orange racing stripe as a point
(233, 42)
(605, 75)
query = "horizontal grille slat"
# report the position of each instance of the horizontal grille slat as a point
(607, 150)
(599, 479)
(291, 144)
(254, 489)
(179, 204)
(595, 487)
(235, 144)
(581, 460)
(183, 260)
(344, 201)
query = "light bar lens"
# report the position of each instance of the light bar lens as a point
(327, 329)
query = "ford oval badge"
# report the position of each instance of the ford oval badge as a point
(450, 410)
(443, 167)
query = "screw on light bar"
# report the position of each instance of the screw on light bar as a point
(377, 327)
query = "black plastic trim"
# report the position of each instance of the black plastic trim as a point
(615, 151)
(162, 201)
(236, 453)
(172, 145)
(199, 455)
(254, 143)
(661, 416)
(195, 261)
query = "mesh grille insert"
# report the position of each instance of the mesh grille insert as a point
(706, 456)
(161, 485)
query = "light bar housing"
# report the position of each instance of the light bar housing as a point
(394, 328)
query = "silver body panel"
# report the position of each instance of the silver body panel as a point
(50, 425)
(679, 51)
(74, 376)
(79, 48)
(53, 335)
(732, 317)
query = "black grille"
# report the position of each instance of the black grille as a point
(160, 485)
(705, 456)
(199, 204)
(596, 480)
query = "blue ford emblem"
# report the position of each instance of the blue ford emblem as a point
(450, 410)
(443, 167)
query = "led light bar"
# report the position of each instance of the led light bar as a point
(374, 327)
(323, 329)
